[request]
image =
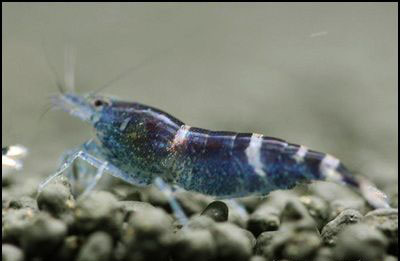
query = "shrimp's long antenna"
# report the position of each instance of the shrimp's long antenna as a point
(52, 68)
(136, 66)
(69, 68)
(130, 70)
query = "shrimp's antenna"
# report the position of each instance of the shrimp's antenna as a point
(69, 68)
(136, 66)
(129, 70)
(52, 68)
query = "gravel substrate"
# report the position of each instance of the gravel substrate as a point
(126, 223)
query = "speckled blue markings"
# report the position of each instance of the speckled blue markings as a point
(141, 144)
(148, 142)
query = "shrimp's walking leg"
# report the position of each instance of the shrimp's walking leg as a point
(85, 153)
(96, 178)
(67, 163)
(176, 208)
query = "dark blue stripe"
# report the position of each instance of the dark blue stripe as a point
(223, 169)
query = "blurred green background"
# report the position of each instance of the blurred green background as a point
(319, 74)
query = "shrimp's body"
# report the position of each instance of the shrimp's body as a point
(139, 144)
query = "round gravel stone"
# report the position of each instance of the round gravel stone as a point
(23, 202)
(295, 245)
(69, 248)
(15, 221)
(192, 203)
(258, 258)
(194, 245)
(148, 235)
(360, 242)
(11, 253)
(332, 229)
(324, 254)
(386, 221)
(263, 243)
(200, 222)
(265, 218)
(98, 247)
(56, 198)
(43, 235)
(317, 208)
(296, 214)
(231, 242)
(98, 210)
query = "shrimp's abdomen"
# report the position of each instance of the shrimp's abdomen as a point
(228, 164)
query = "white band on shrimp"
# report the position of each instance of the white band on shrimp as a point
(253, 154)
(328, 168)
(124, 124)
(180, 136)
(300, 154)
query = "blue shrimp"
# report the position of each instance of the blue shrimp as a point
(143, 145)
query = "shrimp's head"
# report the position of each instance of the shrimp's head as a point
(88, 108)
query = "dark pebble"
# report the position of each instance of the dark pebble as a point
(317, 208)
(324, 254)
(295, 214)
(194, 245)
(43, 235)
(148, 235)
(23, 202)
(332, 229)
(69, 248)
(15, 221)
(56, 199)
(338, 206)
(99, 210)
(265, 218)
(263, 243)
(294, 245)
(386, 221)
(98, 247)
(231, 242)
(217, 210)
(360, 242)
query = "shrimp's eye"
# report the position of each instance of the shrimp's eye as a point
(98, 103)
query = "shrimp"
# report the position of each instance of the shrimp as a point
(143, 145)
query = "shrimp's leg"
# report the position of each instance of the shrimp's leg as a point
(90, 153)
(176, 208)
(96, 178)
